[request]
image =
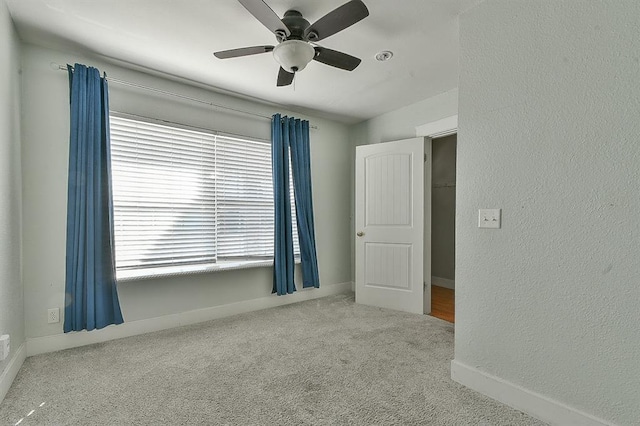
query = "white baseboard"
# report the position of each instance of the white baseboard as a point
(9, 374)
(57, 342)
(443, 282)
(532, 403)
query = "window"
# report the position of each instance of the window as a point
(189, 200)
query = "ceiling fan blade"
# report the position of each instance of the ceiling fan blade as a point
(336, 59)
(337, 20)
(266, 15)
(243, 51)
(285, 77)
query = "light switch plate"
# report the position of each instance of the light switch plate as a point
(489, 218)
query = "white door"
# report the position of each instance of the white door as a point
(393, 203)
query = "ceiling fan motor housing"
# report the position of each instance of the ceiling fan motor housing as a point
(296, 25)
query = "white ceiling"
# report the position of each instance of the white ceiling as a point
(178, 37)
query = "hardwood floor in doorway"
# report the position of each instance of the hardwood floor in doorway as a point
(442, 303)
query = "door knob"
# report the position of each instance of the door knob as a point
(360, 234)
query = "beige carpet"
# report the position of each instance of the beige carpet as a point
(321, 362)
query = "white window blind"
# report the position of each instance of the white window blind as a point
(245, 199)
(185, 197)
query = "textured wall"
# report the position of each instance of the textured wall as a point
(549, 132)
(11, 306)
(443, 207)
(45, 152)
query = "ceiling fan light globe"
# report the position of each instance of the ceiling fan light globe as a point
(294, 55)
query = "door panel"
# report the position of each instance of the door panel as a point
(390, 213)
(388, 193)
(390, 265)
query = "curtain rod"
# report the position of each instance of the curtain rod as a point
(177, 95)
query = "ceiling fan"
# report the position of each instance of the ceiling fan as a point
(297, 38)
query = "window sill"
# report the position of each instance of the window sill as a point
(146, 274)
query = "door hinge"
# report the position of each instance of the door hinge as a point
(425, 158)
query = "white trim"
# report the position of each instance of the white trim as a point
(57, 342)
(9, 374)
(537, 405)
(437, 129)
(443, 282)
(125, 276)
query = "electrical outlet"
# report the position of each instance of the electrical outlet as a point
(53, 315)
(5, 347)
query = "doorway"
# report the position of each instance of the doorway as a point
(382, 275)
(392, 217)
(443, 213)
